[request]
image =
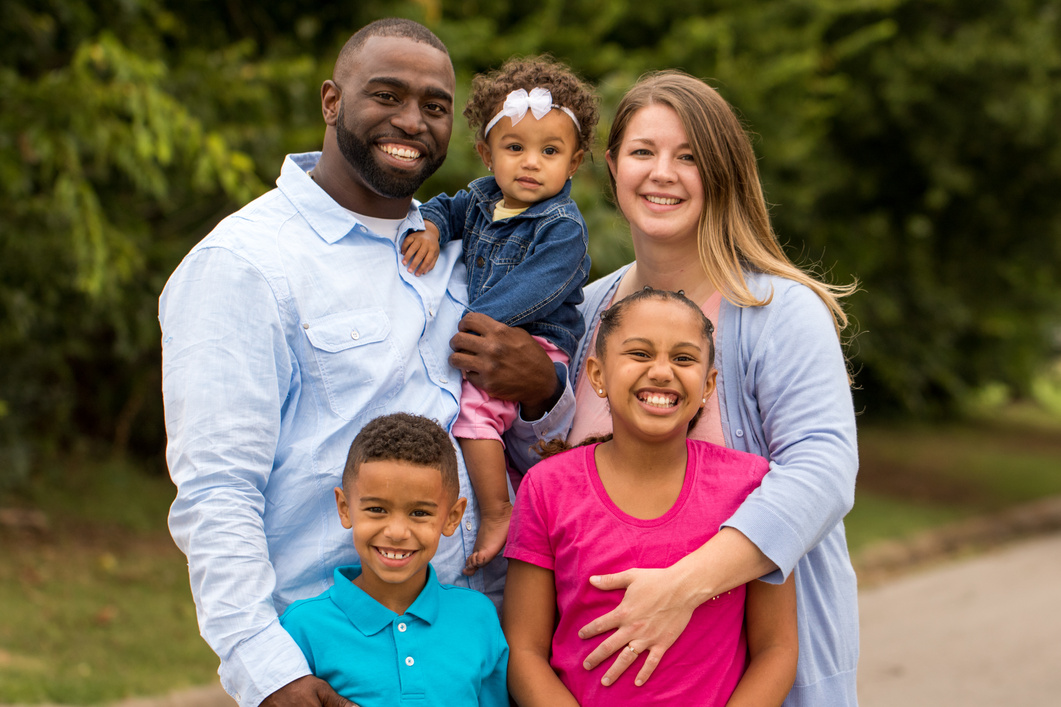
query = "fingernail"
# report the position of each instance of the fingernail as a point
(581, 634)
(639, 682)
(586, 665)
(595, 578)
(605, 682)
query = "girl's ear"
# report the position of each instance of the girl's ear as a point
(611, 162)
(576, 162)
(595, 371)
(484, 154)
(709, 384)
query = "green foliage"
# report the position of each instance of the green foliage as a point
(910, 144)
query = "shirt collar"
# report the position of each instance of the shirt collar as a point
(369, 616)
(325, 216)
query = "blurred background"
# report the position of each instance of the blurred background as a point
(912, 145)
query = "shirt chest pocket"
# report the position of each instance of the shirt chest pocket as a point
(360, 369)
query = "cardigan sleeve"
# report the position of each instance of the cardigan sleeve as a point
(796, 410)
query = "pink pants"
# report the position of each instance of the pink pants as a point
(483, 417)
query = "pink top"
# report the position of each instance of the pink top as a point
(565, 521)
(592, 417)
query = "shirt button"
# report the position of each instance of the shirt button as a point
(443, 379)
(479, 262)
(739, 433)
(305, 325)
(402, 627)
(409, 661)
(430, 311)
(354, 335)
(468, 525)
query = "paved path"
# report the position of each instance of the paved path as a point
(980, 632)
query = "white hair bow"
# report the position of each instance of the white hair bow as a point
(539, 101)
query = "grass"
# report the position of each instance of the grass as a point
(96, 606)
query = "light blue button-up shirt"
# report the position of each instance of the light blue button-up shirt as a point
(283, 332)
(447, 648)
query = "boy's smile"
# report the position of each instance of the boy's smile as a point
(397, 511)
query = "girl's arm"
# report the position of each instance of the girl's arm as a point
(773, 645)
(528, 615)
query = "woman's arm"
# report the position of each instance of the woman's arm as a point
(658, 603)
(773, 645)
(528, 615)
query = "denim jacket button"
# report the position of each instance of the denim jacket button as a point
(479, 262)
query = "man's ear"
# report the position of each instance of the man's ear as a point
(331, 97)
(453, 519)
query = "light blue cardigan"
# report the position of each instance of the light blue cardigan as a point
(784, 394)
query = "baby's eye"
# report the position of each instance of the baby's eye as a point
(374, 509)
(550, 151)
(514, 148)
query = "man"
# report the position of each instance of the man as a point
(292, 325)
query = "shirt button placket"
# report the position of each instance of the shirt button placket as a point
(410, 672)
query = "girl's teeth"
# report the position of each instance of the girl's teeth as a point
(662, 401)
(665, 201)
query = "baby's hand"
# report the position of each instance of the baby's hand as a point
(420, 249)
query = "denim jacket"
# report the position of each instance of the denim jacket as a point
(526, 270)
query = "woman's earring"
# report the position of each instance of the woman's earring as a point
(600, 390)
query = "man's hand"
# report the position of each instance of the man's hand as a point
(505, 362)
(307, 691)
(420, 249)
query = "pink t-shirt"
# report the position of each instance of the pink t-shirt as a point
(592, 417)
(564, 521)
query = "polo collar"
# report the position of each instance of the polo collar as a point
(369, 616)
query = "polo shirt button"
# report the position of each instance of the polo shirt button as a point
(479, 262)
(739, 433)
(402, 627)
(409, 661)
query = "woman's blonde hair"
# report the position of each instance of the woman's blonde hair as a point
(735, 230)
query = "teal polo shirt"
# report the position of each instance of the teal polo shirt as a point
(446, 649)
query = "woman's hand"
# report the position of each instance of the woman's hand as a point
(650, 618)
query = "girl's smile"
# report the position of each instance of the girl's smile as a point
(656, 370)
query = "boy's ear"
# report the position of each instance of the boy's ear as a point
(453, 519)
(484, 154)
(343, 508)
(595, 371)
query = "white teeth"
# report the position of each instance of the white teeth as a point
(665, 201)
(394, 555)
(658, 400)
(402, 153)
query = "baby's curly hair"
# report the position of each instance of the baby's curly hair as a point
(490, 89)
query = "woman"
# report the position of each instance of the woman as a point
(684, 175)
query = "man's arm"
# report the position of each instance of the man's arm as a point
(225, 373)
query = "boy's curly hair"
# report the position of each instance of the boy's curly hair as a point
(490, 89)
(408, 438)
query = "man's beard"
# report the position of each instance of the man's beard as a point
(363, 158)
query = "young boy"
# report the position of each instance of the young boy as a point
(387, 632)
